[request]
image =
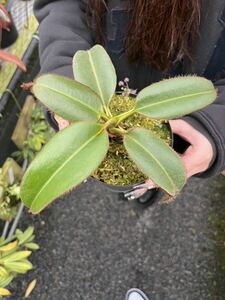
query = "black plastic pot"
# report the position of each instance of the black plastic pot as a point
(9, 37)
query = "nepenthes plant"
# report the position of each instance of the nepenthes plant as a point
(77, 151)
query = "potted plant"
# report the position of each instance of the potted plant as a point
(6, 26)
(97, 122)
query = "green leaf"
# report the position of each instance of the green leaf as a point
(32, 246)
(18, 233)
(9, 247)
(69, 99)
(24, 237)
(175, 97)
(30, 239)
(21, 266)
(15, 256)
(156, 159)
(94, 68)
(3, 272)
(69, 158)
(5, 280)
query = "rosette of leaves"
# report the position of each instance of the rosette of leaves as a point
(74, 153)
(14, 253)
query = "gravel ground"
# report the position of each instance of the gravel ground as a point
(95, 247)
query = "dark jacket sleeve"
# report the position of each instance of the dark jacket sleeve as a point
(63, 30)
(212, 118)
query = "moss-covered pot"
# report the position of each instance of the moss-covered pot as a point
(117, 171)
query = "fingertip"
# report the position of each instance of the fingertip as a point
(174, 124)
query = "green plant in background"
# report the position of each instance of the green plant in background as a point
(77, 151)
(38, 135)
(9, 189)
(9, 200)
(14, 253)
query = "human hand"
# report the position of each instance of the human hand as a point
(62, 123)
(197, 156)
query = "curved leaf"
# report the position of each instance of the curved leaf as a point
(69, 158)
(5, 280)
(6, 56)
(30, 288)
(4, 292)
(94, 68)
(69, 99)
(21, 266)
(9, 246)
(16, 256)
(156, 159)
(175, 97)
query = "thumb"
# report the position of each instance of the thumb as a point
(183, 129)
(190, 159)
(62, 123)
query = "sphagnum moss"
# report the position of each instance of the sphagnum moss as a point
(117, 168)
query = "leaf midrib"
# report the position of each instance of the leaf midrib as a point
(154, 158)
(96, 77)
(170, 99)
(60, 168)
(68, 96)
